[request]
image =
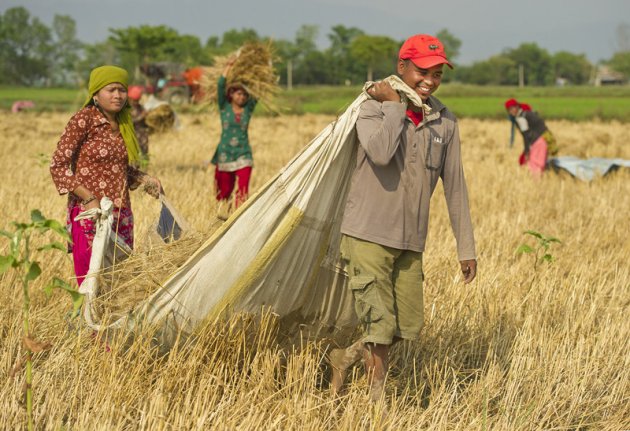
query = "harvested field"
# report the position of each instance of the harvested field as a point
(519, 349)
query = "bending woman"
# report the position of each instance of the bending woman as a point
(538, 140)
(96, 157)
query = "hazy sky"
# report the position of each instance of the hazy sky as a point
(485, 27)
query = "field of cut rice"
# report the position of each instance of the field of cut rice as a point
(524, 347)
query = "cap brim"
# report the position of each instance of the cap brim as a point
(428, 62)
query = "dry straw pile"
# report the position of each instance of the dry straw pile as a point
(517, 350)
(253, 69)
(160, 118)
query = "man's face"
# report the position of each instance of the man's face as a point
(423, 81)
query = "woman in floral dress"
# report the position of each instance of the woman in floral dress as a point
(96, 157)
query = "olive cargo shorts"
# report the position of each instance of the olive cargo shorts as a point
(387, 287)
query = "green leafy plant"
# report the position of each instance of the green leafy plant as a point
(540, 250)
(541, 253)
(20, 260)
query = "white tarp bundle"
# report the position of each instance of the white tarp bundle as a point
(278, 251)
(107, 249)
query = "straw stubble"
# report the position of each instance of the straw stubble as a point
(514, 350)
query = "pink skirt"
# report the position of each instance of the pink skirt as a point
(537, 160)
(82, 234)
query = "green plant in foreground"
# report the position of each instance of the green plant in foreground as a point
(540, 250)
(20, 260)
(541, 253)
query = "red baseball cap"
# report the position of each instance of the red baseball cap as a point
(511, 102)
(424, 51)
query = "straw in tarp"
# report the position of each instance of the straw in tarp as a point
(279, 251)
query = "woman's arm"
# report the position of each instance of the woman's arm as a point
(251, 104)
(221, 85)
(88, 200)
(135, 178)
(221, 96)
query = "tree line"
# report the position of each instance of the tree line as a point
(32, 53)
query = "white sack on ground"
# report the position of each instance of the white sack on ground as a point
(279, 251)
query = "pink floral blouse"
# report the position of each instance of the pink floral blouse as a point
(89, 153)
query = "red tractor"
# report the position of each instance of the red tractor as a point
(172, 82)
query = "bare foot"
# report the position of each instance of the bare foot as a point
(377, 388)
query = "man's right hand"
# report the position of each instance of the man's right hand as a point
(383, 92)
(469, 270)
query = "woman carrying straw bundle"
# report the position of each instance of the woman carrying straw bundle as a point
(233, 157)
(96, 157)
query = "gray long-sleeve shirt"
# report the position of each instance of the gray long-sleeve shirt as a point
(398, 166)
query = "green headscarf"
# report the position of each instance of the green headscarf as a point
(99, 78)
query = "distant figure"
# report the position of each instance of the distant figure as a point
(138, 115)
(21, 105)
(97, 156)
(538, 140)
(233, 158)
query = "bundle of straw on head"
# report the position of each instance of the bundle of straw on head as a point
(160, 118)
(252, 69)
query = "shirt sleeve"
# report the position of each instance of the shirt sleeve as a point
(61, 165)
(379, 128)
(456, 194)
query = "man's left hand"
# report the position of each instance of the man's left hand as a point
(469, 269)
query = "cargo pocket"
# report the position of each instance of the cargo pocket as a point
(366, 299)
